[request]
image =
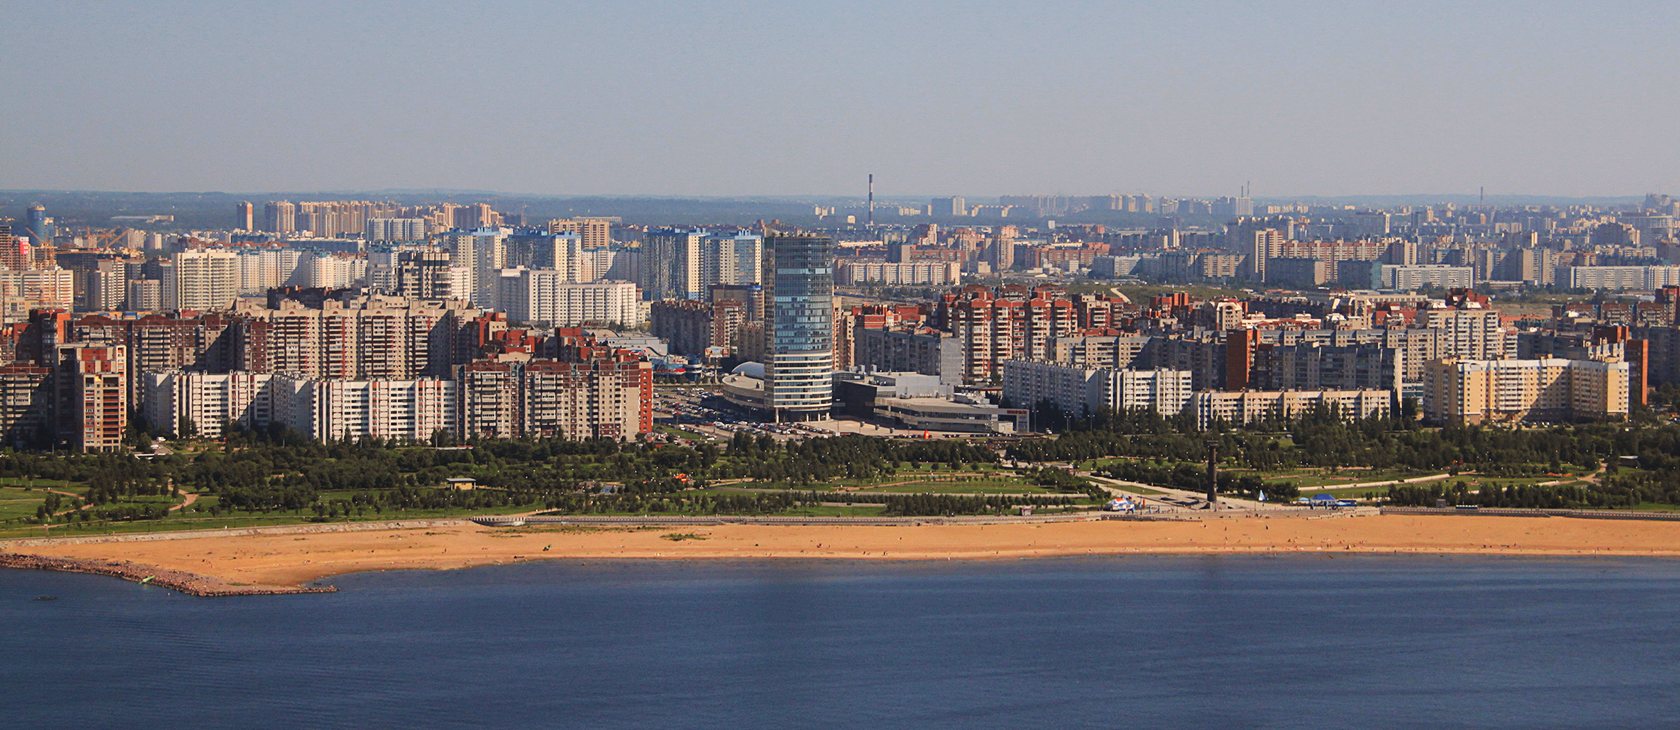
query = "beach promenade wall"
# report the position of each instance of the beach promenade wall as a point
(1595, 514)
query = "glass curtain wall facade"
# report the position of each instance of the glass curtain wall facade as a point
(799, 286)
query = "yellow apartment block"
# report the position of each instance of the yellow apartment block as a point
(1479, 391)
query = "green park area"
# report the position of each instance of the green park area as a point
(265, 479)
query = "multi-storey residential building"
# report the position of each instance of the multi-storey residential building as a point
(731, 259)
(1411, 278)
(351, 410)
(1248, 406)
(261, 269)
(422, 274)
(203, 279)
(546, 297)
(1101, 351)
(1477, 391)
(483, 254)
(335, 270)
(92, 396)
(684, 325)
(1475, 334)
(1009, 323)
(685, 263)
(1081, 391)
(23, 290)
(207, 402)
(596, 233)
(1327, 367)
(368, 337)
(673, 264)
(914, 350)
(26, 405)
(602, 397)
(280, 217)
(906, 273)
(144, 295)
(396, 229)
(1644, 278)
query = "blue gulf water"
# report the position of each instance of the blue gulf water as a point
(1151, 642)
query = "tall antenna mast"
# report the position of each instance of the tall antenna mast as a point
(872, 200)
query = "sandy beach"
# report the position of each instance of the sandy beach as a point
(290, 559)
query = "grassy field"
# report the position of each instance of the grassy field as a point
(191, 519)
(983, 486)
(16, 503)
(59, 484)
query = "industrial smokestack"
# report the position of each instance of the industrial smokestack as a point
(872, 200)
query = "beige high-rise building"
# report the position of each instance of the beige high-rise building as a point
(203, 279)
(595, 232)
(1479, 391)
(280, 217)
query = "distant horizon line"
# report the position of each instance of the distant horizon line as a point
(879, 197)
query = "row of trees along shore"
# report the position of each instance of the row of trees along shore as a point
(282, 472)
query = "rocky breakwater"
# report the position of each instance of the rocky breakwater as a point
(191, 584)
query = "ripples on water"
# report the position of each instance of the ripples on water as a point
(1221, 642)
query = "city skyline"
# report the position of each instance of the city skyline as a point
(1299, 99)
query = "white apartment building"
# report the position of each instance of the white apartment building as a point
(396, 229)
(357, 409)
(261, 269)
(1079, 391)
(547, 297)
(927, 272)
(483, 254)
(336, 271)
(203, 279)
(1621, 277)
(1247, 406)
(207, 400)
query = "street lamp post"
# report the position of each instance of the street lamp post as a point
(1213, 472)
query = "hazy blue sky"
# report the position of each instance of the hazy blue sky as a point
(743, 98)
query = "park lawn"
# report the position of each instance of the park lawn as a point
(1328, 478)
(191, 519)
(1476, 482)
(17, 503)
(1652, 507)
(38, 484)
(1145, 491)
(983, 487)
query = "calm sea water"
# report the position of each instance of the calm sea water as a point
(1226, 642)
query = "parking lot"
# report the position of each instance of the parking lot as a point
(703, 411)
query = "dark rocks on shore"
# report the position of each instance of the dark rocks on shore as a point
(191, 584)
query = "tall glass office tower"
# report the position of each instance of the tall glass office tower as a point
(799, 287)
(40, 226)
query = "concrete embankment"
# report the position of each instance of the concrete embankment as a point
(1590, 514)
(184, 582)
